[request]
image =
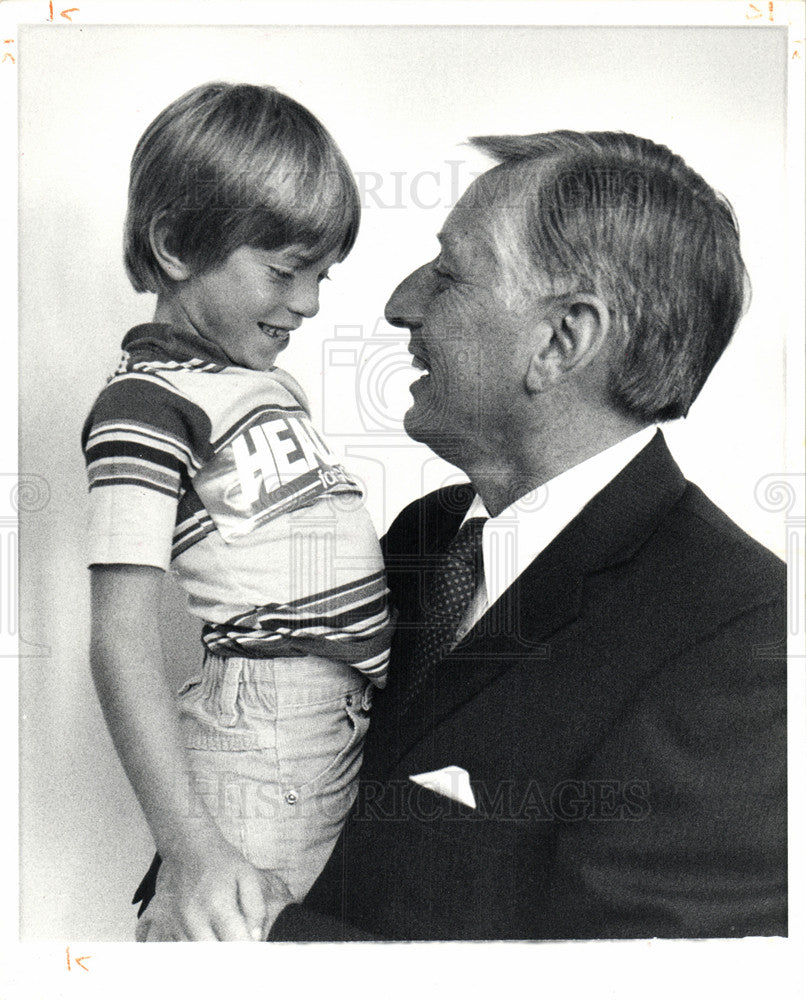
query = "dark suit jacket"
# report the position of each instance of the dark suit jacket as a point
(621, 714)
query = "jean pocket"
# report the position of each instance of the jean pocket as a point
(324, 745)
(210, 722)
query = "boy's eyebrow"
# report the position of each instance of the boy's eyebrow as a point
(301, 259)
(291, 257)
(288, 258)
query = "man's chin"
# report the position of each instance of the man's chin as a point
(417, 425)
(424, 426)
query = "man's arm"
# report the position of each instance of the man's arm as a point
(298, 923)
(701, 849)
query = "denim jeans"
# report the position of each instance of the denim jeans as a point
(274, 749)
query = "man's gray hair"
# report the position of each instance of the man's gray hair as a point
(615, 215)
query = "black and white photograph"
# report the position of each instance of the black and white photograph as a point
(409, 496)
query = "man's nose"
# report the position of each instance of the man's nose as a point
(406, 303)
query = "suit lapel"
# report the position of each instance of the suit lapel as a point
(542, 601)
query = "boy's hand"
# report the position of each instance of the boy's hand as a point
(217, 896)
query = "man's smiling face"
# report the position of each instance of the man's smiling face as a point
(469, 334)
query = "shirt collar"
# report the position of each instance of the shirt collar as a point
(516, 537)
(163, 342)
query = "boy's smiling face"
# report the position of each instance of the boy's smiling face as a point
(249, 304)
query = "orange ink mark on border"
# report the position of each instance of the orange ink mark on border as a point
(756, 12)
(50, 5)
(66, 15)
(78, 961)
(8, 55)
(770, 9)
(796, 51)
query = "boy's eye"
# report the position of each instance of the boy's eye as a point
(281, 272)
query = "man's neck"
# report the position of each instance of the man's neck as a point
(504, 478)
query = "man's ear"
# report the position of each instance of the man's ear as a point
(570, 334)
(159, 235)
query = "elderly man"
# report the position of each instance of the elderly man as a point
(584, 731)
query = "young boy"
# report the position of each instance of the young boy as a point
(202, 458)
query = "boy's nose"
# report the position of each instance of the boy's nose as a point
(305, 298)
(406, 303)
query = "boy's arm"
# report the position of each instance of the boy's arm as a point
(207, 889)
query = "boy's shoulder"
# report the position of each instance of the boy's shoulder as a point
(168, 379)
(178, 355)
(145, 409)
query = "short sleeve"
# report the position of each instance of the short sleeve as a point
(143, 442)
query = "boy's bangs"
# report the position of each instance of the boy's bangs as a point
(315, 209)
(232, 165)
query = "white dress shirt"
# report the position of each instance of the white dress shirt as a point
(514, 539)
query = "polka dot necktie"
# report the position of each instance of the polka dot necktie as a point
(447, 592)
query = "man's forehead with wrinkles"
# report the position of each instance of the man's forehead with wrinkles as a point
(468, 237)
(485, 231)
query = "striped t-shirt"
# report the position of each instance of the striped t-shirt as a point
(217, 472)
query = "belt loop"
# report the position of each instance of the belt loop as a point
(228, 692)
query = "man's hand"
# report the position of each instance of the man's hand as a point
(214, 896)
